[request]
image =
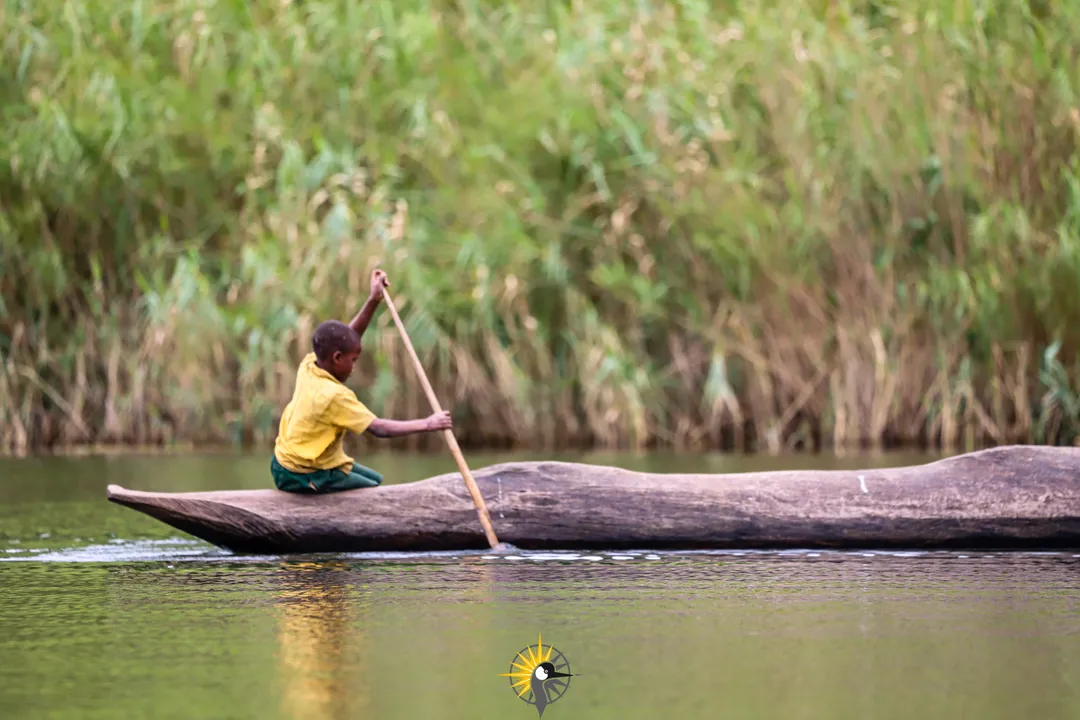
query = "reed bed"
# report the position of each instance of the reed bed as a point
(755, 225)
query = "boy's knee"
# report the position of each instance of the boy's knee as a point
(366, 474)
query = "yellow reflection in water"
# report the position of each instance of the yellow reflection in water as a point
(316, 628)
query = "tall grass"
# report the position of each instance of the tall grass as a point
(758, 225)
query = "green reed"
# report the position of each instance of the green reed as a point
(763, 225)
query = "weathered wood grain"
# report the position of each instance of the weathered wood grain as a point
(1009, 497)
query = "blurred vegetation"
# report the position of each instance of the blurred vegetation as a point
(759, 225)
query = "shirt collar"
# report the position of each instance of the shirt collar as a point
(312, 369)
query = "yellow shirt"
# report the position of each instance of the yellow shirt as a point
(312, 429)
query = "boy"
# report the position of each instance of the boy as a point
(309, 455)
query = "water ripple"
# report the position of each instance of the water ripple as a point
(178, 549)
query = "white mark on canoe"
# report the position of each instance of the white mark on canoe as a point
(862, 484)
(622, 557)
(499, 481)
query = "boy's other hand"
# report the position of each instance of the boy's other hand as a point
(440, 421)
(378, 282)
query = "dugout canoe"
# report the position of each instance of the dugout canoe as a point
(1008, 497)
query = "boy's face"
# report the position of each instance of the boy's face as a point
(341, 363)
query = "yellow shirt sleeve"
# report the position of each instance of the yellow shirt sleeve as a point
(346, 411)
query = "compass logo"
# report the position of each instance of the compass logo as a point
(539, 675)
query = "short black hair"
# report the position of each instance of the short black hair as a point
(334, 336)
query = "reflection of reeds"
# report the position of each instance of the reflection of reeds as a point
(767, 226)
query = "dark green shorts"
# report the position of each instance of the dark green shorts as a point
(323, 481)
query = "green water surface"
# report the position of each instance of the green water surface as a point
(106, 613)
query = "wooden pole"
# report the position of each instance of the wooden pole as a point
(478, 499)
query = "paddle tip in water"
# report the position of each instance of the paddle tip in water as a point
(504, 548)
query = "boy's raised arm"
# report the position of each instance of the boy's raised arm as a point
(363, 318)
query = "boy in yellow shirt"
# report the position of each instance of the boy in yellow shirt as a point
(309, 455)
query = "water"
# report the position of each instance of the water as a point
(106, 613)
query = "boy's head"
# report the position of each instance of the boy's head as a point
(336, 348)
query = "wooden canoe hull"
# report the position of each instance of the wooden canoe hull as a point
(1009, 497)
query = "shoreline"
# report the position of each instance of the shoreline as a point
(224, 449)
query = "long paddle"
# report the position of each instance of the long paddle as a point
(478, 499)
